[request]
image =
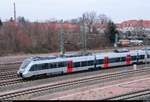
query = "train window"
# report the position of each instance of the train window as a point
(134, 57)
(33, 68)
(84, 63)
(45, 66)
(148, 56)
(53, 65)
(100, 61)
(61, 64)
(112, 60)
(118, 59)
(122, 59)
(39, 67)
(142, 56)
(25, 63)
(76, 64)
(49, 65)
(90, 63)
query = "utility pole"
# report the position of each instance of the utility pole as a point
(83, 38)
(116, 40)
(61, 36)
(14, 5)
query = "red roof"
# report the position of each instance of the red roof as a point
(134, 23)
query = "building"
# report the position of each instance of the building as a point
(134, 26)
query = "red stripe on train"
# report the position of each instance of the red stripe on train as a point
(106, 62)
(69, 67)
(128, 59)
(106, 65)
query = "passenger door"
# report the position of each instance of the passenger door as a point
(128, 59)
(69, 66)
(106, 62)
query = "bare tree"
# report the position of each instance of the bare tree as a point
(38, 37)
(103, 19)
(89, 19)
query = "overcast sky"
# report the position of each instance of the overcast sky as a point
(41, 10)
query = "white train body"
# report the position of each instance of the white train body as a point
(58, 65)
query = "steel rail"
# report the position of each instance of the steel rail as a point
(131, 95)
(8, 75)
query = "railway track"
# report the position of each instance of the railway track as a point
(13, 79)
(8, 75)
(132, 95)
(9, 69)
(69, 84)
(10, 78)
(10, 82)
(4, 66)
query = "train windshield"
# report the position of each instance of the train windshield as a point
(25, 63)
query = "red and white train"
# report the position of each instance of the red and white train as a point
(36, 66)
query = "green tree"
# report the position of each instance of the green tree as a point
(111, 32)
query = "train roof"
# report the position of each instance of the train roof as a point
(37, 58)
(67, 55)
(116, 54)
(121, 50)
(88, 55)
